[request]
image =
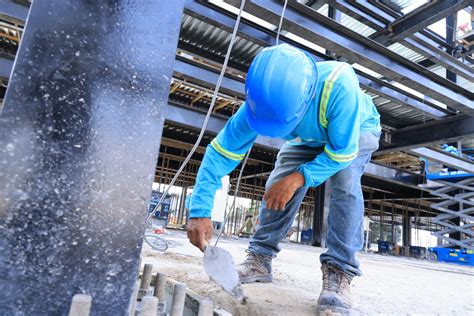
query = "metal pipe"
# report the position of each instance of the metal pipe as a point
(80, 305)
(160, 286)
(179, 296)
(146, 276)
(206, 307)
(149, 306)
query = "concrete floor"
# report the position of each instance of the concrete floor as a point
(390, 285)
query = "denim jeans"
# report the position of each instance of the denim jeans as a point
(346, 207)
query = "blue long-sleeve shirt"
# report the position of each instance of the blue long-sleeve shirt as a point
(334, 119)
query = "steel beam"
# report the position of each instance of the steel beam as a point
(196, 73)
(439, 57)
(452, 128)
(393, 175)
(13, 9)
(207, 78)
(424, 16)
(80, 135)
(418, 42)
(395, 94)
(445, 158)
(446, 131)
(389, 15)
(314, 27)
(437, 132)
(226, 22)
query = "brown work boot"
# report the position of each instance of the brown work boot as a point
(256, 268)
(335, 297)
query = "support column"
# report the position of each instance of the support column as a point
(320, 214)
(382, 215)
(80, 134)
(406, 230)
(182, 202)
(393, 224)
(451, 23)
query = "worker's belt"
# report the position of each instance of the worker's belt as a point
(228, 154)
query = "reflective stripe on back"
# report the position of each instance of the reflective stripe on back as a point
(225, 152)
(327, 89)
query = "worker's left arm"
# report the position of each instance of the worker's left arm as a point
(343, 133)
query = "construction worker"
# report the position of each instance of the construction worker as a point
(331, 128)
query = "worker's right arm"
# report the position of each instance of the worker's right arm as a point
(222, 156)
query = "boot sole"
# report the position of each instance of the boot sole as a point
(262, 278)
(326, 310)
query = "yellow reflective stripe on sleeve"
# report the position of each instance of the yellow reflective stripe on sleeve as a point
(339, 157)
(327, 89)
(226, 153)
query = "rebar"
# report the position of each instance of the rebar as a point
(80, 305)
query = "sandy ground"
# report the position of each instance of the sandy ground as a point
(390, 285)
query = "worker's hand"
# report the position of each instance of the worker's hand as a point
(200, 232)
(282, 191)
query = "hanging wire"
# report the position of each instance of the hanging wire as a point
(281, 22)
(208, 115)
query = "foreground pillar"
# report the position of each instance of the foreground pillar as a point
(79, 138)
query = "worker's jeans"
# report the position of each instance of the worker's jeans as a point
(346, 207)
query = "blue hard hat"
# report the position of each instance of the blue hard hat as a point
(280, 84)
